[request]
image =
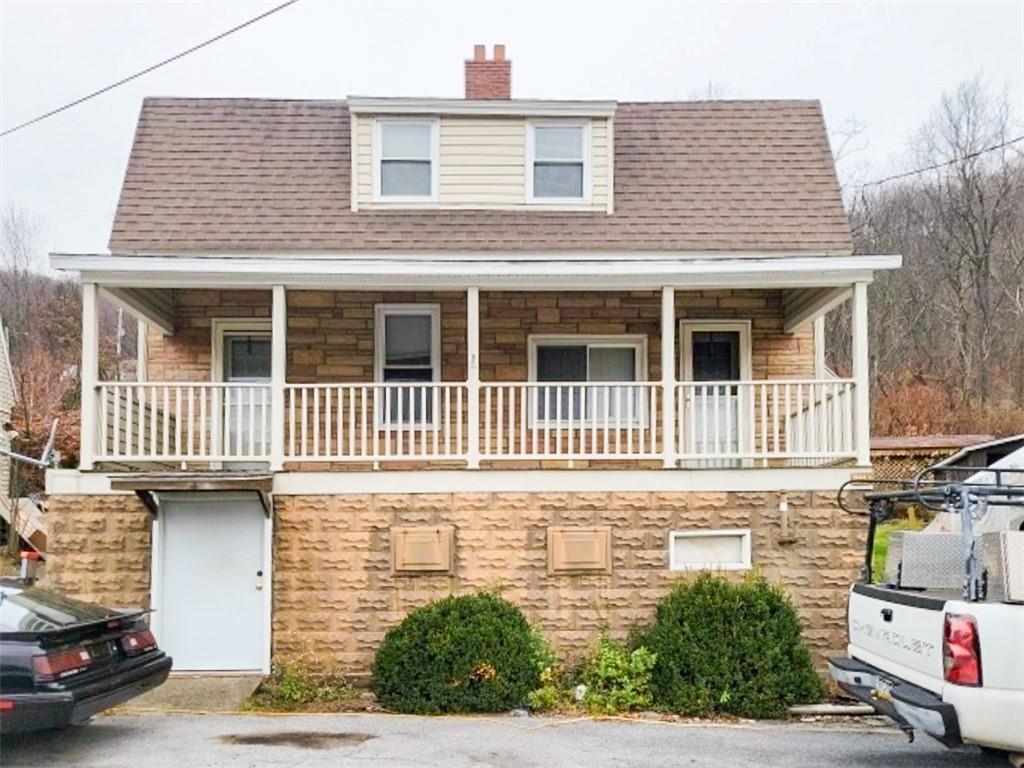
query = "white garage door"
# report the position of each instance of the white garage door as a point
(212, 581)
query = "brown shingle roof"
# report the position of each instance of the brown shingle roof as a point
(230, 175)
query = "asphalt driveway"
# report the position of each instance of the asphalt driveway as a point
(148, 740)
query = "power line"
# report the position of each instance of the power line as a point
(149, 69)
(935, 167)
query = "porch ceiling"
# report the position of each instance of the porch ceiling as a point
(536, 272)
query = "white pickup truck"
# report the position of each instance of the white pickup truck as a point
(938, 645)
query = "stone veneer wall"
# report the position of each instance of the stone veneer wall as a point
(336, 595)
(331, 336)
(98, 549)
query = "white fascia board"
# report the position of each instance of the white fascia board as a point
(792, 479)
(599, 272)
(517, 107)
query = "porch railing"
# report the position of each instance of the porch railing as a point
(186, 421)
(800, 421)
(570, 421)
(375, 422)
(716, 424)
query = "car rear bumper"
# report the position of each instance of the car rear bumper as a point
(909, 705)
(38, 711)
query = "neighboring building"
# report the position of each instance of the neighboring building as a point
(903, 457)
(400, 347)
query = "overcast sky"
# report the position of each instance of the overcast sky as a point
(885, 64)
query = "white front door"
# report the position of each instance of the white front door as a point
(714, 354)
(212, 581)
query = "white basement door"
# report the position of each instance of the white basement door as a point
(213, 579)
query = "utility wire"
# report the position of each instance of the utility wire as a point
(149, 69)
(935, 167)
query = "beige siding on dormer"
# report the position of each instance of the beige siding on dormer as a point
(482, 165)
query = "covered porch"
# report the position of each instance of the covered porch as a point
(477, 362)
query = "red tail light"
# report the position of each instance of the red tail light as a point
(60, 664)
(138, 642)
(961, 651)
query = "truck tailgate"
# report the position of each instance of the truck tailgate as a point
(899, 632)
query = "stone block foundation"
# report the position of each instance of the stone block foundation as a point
(335, 593)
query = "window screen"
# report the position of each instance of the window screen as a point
(408, 356)
(558, 162)
(406, 159)
(247, 357)
(587, 363)
(716, 355)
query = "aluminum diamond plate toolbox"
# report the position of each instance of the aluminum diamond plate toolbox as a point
(919, 560)
(1002, 562)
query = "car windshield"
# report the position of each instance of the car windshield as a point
(31, 609)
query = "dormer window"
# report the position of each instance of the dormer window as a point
(405, 166)
(558, 163)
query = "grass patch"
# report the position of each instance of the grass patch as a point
(297, 686)
(883, 534)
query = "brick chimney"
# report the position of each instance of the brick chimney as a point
(488, 78)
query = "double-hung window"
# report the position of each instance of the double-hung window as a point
(558, 163)
(406, 160)
(608, 364)
(407, 351)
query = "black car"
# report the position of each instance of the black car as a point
(63, 661)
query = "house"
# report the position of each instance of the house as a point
(398, 347)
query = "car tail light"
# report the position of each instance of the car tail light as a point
(60, 664)
(138, 642)
(961, 651)
(6, 705)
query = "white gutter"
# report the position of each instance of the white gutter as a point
(518, 107)
(599, 272)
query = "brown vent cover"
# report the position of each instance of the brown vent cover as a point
(422, 548)
(574, 550)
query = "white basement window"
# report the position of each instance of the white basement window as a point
(405, 162)
(406, 351)
(616, 361)
(723, 550)
(558, 163)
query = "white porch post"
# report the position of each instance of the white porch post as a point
(668, 376)
(473, 376)
(90, 373)
(278, 363)
(819, 347)
(862, 389)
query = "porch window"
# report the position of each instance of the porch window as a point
(407, 351)
(406, 163)
(617, 361)
(558, 167)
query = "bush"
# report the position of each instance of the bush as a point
(729, 648)
(618, 680)
(474, 653)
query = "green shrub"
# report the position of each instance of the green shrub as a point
(729, 648)
(618, 680)
(474, 653)
(299, 684)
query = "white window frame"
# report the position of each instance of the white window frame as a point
(588, 161)
(743, 327)
(435, 154)
(380, 313)
(636, 340)
(745, 564)
(227, 326)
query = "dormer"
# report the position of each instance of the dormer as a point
(487, 151)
